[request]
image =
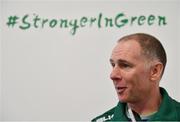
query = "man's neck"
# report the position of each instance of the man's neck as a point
(147, 106)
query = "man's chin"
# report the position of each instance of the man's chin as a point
(123, 100)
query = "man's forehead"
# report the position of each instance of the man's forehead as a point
(126, 50)
(128, 45)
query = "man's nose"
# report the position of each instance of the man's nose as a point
(116, 73)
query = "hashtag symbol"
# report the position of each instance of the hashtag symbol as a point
(12, 20)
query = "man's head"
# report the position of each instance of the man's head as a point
(138, 62)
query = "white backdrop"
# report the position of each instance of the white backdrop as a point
(49, 74)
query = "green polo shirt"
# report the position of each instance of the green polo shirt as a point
(169, 111)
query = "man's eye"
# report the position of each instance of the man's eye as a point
(124, 65)
(112, 64)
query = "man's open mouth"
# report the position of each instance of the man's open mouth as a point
(120, 90)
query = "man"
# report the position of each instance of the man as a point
(138, 62)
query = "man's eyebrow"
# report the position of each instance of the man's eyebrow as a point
(111, 60)
(119, 61)
(122, 61)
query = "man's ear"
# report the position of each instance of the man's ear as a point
(156, 71)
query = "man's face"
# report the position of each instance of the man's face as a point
(130, 73)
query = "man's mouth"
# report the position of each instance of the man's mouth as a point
(120, 90)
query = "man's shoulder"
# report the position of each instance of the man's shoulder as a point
(177, 106)
(107, 116)
(171, 105)
(176, 103)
